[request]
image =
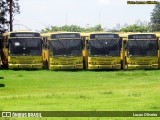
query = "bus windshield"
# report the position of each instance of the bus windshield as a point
(66, 48)
(142, 48)
(25, 46)
(104, 47)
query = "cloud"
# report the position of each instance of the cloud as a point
(104, 2)
(111, 2)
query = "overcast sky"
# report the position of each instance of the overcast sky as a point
(38, 14)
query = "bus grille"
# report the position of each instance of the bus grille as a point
(26, 60)
(143, 63)
(67, 63)
(104, 63)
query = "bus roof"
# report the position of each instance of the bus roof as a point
(103, 33)
(157, 34)
(141, 33)
(19, 31)
(125, 34)
(50, 34)
(142, 36)
(85, 34)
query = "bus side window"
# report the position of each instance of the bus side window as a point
(158, 44)
(87, 44)
(83, 43)
(125, 45)
(120, 43)
(45, 43)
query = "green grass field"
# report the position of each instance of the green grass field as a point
(80, 91)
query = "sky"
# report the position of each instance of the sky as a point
(39, 14)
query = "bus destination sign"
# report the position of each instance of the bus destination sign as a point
(69, 35)
(103, 36)
(25, 34)
(142, 36)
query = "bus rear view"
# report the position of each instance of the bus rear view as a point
(104, 51)
(141, 51)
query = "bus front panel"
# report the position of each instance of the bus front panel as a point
(24, 53)
(104, 54)
(141, 54)
(65, 54)
(142, 62)
(66, 62)
(25, 62)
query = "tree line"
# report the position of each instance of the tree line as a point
(72, 28)
(5, 11)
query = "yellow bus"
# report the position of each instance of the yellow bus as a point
(62, 50)
(104, 51)
(0, 50)
(158, 37)
(22, 50)
(140, 51)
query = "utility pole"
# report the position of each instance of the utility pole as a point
(11, 20)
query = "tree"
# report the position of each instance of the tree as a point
(72, 28)
(5, 12)
(3, 20)
(155, 18)
(135, 28)
(97, 28)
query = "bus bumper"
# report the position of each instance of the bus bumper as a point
(142, 66)
(59, 67)
(92, 67)
(25, 66)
